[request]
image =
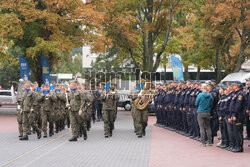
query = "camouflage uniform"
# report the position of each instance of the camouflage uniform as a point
(89, 110)
(109, 111)
(133, 97)
(27, 105)
(141, 121)
(59, 100)
(47, 112)
(76, 100)
(19, 118)
(33, 117)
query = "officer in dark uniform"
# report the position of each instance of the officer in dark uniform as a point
(166, 102)
(222, 121)
(160, 106)
(237, 109)
(156, 104)
(184, 90)
(247, 97)
(190, 115)
(177, 106)
(186, 107)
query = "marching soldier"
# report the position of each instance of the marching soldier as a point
(109, 98)
(47, 113)
(142, 114)
(76, 104)
(27, 110)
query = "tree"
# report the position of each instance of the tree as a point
(49, 28)
(139, 28)
(9, 68)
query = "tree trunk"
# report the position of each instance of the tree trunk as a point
(36, 69)
(186, 74)
(198, 73)
(218, 66)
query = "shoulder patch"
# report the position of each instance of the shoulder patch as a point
(240, 97)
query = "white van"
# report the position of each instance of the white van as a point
(237, 76)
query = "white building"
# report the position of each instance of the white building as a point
(87, 57)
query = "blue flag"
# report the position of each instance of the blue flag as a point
(24, 68)
(177, 69)
(45, 70)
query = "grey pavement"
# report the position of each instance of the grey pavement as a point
(124, 149)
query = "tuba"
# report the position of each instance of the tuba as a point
(142, 103)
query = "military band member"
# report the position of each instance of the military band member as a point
(109, 98)
(27, 110)
(76, 104)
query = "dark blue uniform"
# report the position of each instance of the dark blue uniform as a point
(237, 110)
(247, 97)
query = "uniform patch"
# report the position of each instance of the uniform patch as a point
(239, 97)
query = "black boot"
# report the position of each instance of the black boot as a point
(45, 135)
(143, 133)
(73, 139)
(85, 136)
(110, 133)
(24, 138)
(139, 136)
(39, 134)
(106, 135)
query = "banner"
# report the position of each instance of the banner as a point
(45, 70)
(177, 69)
(24, 68)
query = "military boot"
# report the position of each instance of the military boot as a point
(85, 136)
(110, 133)
(24, 138)
(39, 134)
(45, 135)
(73, 139)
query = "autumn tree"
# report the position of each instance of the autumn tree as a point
(139, 28)
(49, 28)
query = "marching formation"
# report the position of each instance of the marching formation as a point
(46, 109)
(196, 109)
(199, 110)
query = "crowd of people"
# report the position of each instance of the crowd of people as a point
(52, 108)
(199, 110)
(196, 109)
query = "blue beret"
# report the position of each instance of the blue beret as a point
(213, 80)
(248, 79)
(230, 84)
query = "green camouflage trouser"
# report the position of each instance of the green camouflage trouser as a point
(25, 123)
(47, 116)
(108, 119)
(133, 110)
(77, 122)
(19, 121)
(33, 121)
(141, 120)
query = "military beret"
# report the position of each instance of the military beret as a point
(213, 80)
(230, 84)
(237, 83)
(222, 88)
(248, 79)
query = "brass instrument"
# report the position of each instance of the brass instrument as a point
(142, 102)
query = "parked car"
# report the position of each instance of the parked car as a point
(151, 107)
(6, 98)
(124, 101)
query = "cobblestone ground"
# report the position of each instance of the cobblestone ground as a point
(124, 149)
(160, 148)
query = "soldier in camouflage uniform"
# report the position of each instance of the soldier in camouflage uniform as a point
(133, 97)
(109, 98)
(63, 108)
(37, 106)
(59, 100)
(89, 106)
(76, 105)
(47, 113)
(19, 118)
(27, 110)
(142, 117)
